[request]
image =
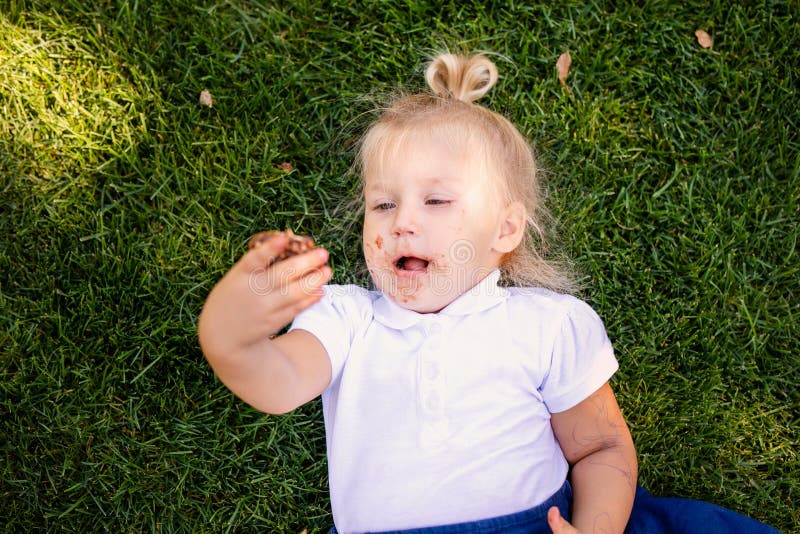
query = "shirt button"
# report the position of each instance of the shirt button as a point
(439, 426)
(431, 371)
(435, 336)
(433, 402)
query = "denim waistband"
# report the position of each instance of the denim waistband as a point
(530, 521)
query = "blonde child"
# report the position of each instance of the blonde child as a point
(459, 393)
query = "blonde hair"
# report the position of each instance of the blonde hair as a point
(449, 112)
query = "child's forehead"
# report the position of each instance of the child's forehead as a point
(420, 146)
(420, 162)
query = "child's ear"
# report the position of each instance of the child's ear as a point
(512, 227)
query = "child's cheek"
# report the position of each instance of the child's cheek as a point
(373, 245)
(371, 254)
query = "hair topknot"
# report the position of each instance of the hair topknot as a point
(464, 78)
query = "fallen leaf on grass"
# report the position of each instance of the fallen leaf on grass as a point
(562, 66)
(286, 166)
(703, 39)
(206, 99)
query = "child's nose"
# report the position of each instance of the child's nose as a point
(405, 221)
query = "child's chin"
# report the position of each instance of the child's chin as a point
(419, 303)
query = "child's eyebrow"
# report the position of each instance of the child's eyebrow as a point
(429, 180)
(376, 189)
(382, 187)
(436, 180)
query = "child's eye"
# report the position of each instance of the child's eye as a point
(383, 206)
(437, 201)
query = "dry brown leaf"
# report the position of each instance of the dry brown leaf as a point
(703, 39)
(206, 99)
(286, 166)
(562, 66)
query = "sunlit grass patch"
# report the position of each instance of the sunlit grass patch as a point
(67, 108)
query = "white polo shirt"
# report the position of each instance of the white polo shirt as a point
(442, 418)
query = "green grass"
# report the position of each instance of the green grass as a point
(674, 171)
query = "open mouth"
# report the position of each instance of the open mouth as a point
(411, 264)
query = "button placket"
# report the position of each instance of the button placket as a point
(434, 425)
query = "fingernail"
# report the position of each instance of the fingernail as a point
(322, 253)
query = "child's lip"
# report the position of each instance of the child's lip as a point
(410, 273)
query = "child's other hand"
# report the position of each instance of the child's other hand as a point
(252, 301)
(558, 524)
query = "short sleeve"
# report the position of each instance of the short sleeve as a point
(334, 321)
(582, 358)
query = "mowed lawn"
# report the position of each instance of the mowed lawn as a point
(673, 172)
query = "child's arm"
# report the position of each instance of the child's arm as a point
(598, 445)
(248, 306)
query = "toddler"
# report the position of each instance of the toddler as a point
(461, 392)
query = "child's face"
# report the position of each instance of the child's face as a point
(431, 223)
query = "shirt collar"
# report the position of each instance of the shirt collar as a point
(484, 295)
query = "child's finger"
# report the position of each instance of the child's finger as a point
(312, 283)
(279, 282)
(292, 292)
(265, 252)
(285, 315)
(297, 267)
(559, 525)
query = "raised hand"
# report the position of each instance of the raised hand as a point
(257, 297)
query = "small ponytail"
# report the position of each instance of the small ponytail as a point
(460, 77)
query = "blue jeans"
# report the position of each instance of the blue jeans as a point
(650, 515)
(663, 515)
(531, 521)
